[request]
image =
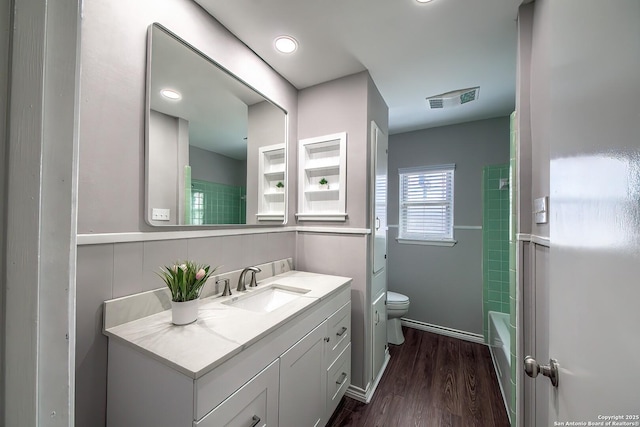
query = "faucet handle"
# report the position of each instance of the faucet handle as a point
(253, 282)
(227, 288)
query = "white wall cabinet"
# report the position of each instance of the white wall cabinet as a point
(379, 321)
(378, 273)
(295, 376)
(271, 171)
(320, 159)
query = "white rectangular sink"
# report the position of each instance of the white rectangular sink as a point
(268, 299)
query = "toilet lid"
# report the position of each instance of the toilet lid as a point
(396, 297)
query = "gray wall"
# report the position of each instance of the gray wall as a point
(111, 171)
(213, 167)
(266, 127)
(338, 106)
(346, 104)
(169, 155)
(523, 120)
(540, 99)
(444, 284)
(5, 13)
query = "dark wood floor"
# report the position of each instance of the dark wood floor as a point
(433, 381)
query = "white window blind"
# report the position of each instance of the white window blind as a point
(426, 203)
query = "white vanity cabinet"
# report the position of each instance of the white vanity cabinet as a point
(302, 381)
(254, 404)
(316, 371)
(294, 375)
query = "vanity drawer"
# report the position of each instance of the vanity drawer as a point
(254, 404)
(338, 379)
(338, 332)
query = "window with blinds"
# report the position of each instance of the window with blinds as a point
(426, 203)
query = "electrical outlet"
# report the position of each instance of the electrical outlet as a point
(161, 214)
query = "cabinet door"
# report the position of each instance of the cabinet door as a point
(379, 197)
(379, 311)
(254, 404)
(302, 381)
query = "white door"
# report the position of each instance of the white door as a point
(594, 259)
(379, 197)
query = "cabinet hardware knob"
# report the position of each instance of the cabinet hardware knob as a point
(327, 339)
(342, 379)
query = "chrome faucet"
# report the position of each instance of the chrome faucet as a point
(242, 286)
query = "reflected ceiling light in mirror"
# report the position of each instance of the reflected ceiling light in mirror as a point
(171, 94)
(285, 44)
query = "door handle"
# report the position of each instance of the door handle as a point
(255, 420)
(532, 368)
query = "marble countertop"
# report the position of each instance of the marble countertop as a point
(221, 331)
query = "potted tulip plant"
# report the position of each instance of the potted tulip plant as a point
(185, 281)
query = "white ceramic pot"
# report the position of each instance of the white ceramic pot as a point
(185, 312)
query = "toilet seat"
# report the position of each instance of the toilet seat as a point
(396, 297)
(396, 301)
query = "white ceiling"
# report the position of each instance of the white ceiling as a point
(411, 50)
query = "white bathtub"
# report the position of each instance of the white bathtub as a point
(500, 347)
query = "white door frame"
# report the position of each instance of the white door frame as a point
(41, 173)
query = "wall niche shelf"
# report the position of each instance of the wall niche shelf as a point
(271, 171)
(322, 157)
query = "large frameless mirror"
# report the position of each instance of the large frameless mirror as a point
(215, 147)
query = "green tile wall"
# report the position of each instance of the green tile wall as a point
(223, 204)
(495, 241)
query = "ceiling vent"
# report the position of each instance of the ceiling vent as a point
(454, 98)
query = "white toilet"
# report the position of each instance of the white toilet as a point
(397, 306)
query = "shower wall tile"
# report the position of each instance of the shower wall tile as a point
(495, 228)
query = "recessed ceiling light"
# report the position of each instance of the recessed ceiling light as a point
(423, 1)
(286, 44)
(171, 94)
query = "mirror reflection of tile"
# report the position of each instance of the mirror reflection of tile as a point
(213, 203)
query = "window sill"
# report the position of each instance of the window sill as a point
(446, 243)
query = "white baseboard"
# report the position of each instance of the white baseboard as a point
(454, 333)
(365, 396)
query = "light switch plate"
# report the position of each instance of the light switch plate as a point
(158, 214)
(540, 210)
